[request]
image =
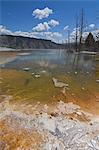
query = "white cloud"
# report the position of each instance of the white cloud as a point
(85, 34)
(41, 27)
(92, 26)
(42, 13)
(4, 30)
(66, 27)
(95, 32)
(24, 34)
(73, 33)
(53, 22)
(54, 36)
(20, 33)
(45, 26)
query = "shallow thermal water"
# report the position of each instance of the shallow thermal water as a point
(52, 60)
(29, 75)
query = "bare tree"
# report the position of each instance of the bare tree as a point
(81, 28)
(76, 36)
(68, 31)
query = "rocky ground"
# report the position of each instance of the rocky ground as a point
(63, 127)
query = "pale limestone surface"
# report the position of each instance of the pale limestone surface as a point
(59, 132)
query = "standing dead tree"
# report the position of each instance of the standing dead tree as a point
(97, 36)
(81, 28)
(68, 32)
(76, 36)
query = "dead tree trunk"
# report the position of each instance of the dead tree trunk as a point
(68, 40)
(76, 36)
(81, 28)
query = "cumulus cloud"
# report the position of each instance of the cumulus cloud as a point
(45, 26)
(95, 32)
(25, 34)
(41, 27)
(54, 36)
(42, 13)
(53, 22)
(66, 27)
(92, 26)
(20, 33)
(73, 33)
(85, 34)
(4, 30)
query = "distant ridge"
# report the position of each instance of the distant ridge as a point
(20, 42)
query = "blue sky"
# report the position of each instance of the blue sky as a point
(18, 15)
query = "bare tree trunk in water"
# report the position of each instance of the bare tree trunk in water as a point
(81, 27)
(68, 40)
(76, 42)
